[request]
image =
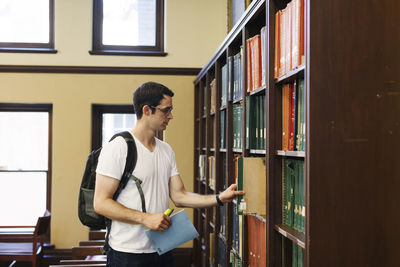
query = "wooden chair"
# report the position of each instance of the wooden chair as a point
(80, 265)
(91, 243)
(31, 251)
(97, 234)
(76, 262)
(81, 252)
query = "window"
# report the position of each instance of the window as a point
(108, 120)
(128, 27)
(25, 153)
(27, 26)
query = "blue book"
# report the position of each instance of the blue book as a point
(180, 232)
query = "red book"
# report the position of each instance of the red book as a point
(282, 43)
(289, 19)
(253, 63)
(251, 239)
(248, 65)
(277, 45)
(295, 35)
(262, 245)
(256, 61)
(301, 29)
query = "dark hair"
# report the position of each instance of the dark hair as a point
(151, 94)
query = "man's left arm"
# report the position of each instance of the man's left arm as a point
(183, 198)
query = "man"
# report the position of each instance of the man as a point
(156, 168)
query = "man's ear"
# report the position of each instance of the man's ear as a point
(146, 110)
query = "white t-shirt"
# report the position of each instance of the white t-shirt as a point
(154, 169)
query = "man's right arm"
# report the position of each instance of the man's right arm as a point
(106, 206)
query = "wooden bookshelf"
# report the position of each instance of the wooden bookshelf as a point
(347, 158)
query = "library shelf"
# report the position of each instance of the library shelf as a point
(292, 234)
(291, 75)
(237, 150)
(259, 217)
(238, 100)
(350, 108)
(258, 91)
(257, 151)
(288, 153)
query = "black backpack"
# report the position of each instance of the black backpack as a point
(86, 212)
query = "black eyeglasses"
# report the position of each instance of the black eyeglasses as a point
(166, 111)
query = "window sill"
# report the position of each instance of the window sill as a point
(128, 53)
(27, 50)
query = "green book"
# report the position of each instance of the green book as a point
(284, 194)
(239, 183)
(302, 128)
(294, 255)
(223, 85)
(300, 256)
(257, 122)
(297, 204)
(264, 123)
(303, 203)
(240, 116)
(235, 130)
(250, 122)
(204, 100)
(291, 181)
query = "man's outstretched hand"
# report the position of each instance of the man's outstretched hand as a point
(230, 194)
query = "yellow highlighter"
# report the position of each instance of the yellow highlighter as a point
(168, 212)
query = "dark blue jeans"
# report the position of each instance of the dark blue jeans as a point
(123, 259)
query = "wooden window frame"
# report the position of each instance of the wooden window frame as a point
(24, 107)
(97, 120)
(99, 49)
(11, 47)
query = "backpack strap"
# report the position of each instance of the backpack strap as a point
(130, 164)
(138, 183)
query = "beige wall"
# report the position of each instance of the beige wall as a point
(194, 30)
(72, 96)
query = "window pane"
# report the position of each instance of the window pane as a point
(24, 140)
(116, 122)
(129, 22)
(24, 21)
(23, 197)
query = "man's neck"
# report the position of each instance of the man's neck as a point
(145, 135)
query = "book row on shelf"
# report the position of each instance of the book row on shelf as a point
(289, 38)
(293, 198)
(232, 73)
(293, 121)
